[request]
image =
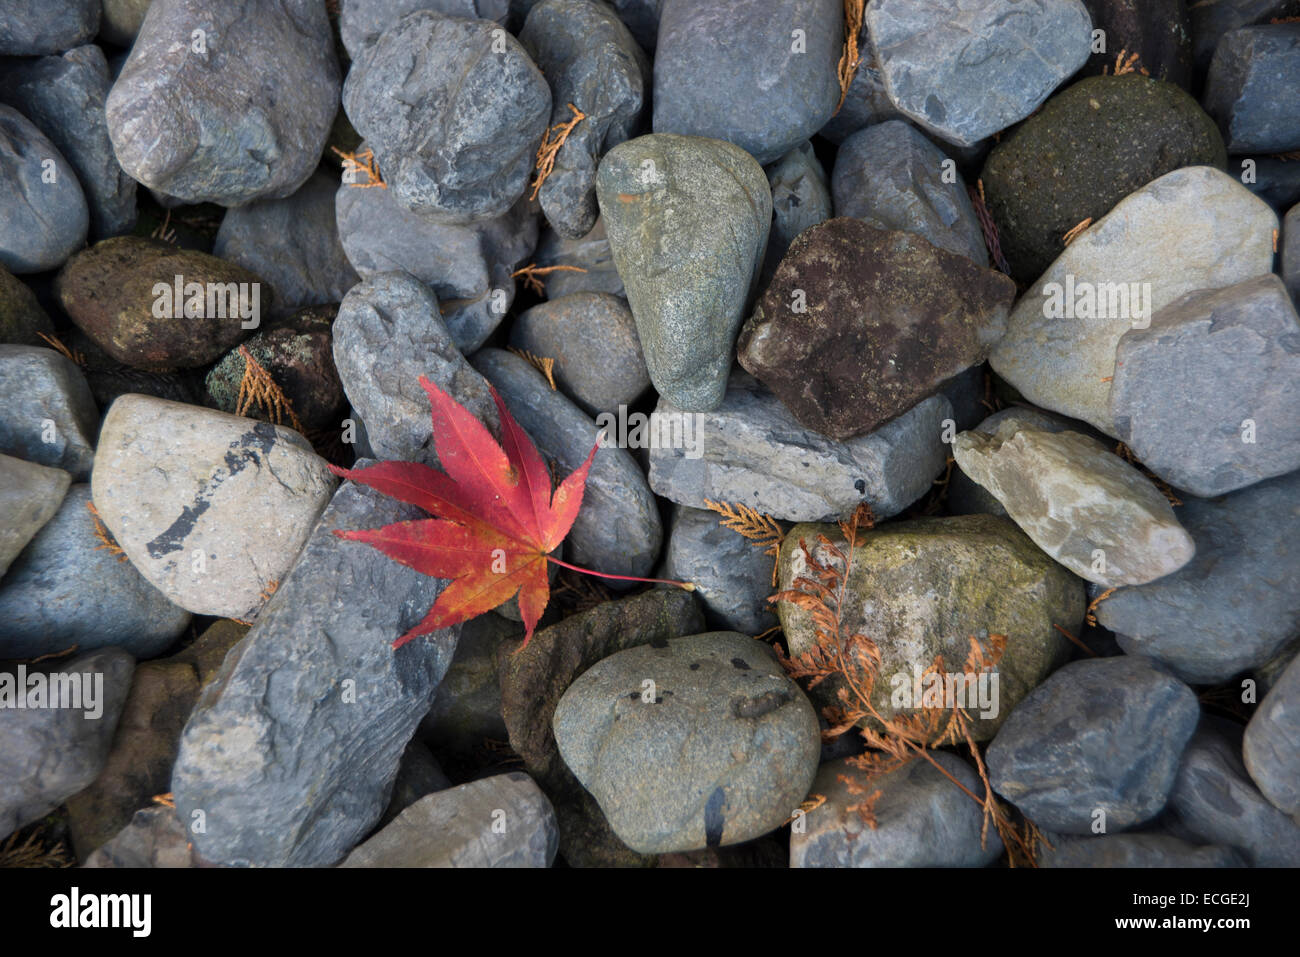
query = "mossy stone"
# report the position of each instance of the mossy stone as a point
(1085, 150)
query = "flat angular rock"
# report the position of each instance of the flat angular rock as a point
(926, 587)
(1214, 802)
(801, 198)
(758, 73)
(121, 292)
(1208, 397)
(41, 222)
(591, 258)
(64, 96)
(1268, 748)
(65, 589)
(687, 219)
(891, 177)
(1135, 850)
(1199, 228)
(1100, 735)
(968, 497)
(1253, 88)
(1048, 176)
(1232, 607)
(732, 578)
(618, 529)
(153, 838)
(750, 450)
(860, 324)
(590, 61)
(721, 748)
(1080, 503)
(30, 494)
(453, 109)
(592, 338)
(498, 821)
(48, 754)
(47, 414)
(293, 244)
(965, 69)
(32, 27)
(211, 508)
(362, 21)
(237, 113)
(922, 819)
(261, 755)
(388, 333)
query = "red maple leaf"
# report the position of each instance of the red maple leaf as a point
(497, 521)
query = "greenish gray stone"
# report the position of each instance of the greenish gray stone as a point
(921, 818)
(1080, 503)
(925, 587)
(1194, 228)
(1049, 176)
(688, 220)
(109, 291)
(719, 748)
(29, 496)
(533, 679)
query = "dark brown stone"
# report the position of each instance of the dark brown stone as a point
(860, 324)
(108, 291)
(1158, 31)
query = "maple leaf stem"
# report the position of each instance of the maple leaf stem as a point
(689, 586)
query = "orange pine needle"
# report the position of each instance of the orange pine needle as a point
(550, 146)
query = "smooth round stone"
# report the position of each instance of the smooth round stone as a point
(1048, 176)
(454, 110)
(64, 96)
(43, 212)
(691, 743)
(1268, 747)
(922, 819)
(226, 103)
(758, 73)
(1102, 736)
(122, 293)
(592, 338)
(64, 589)
(362, 21)
(732, 578)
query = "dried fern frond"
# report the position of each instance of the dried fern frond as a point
(57, 345)
(31, 852)
(359, 163)
(258, 390)
(106, 540)
(543, 364)
(1073, 233)
(851, 57)
(1126, 62)
(531, 275)
(550, 146)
